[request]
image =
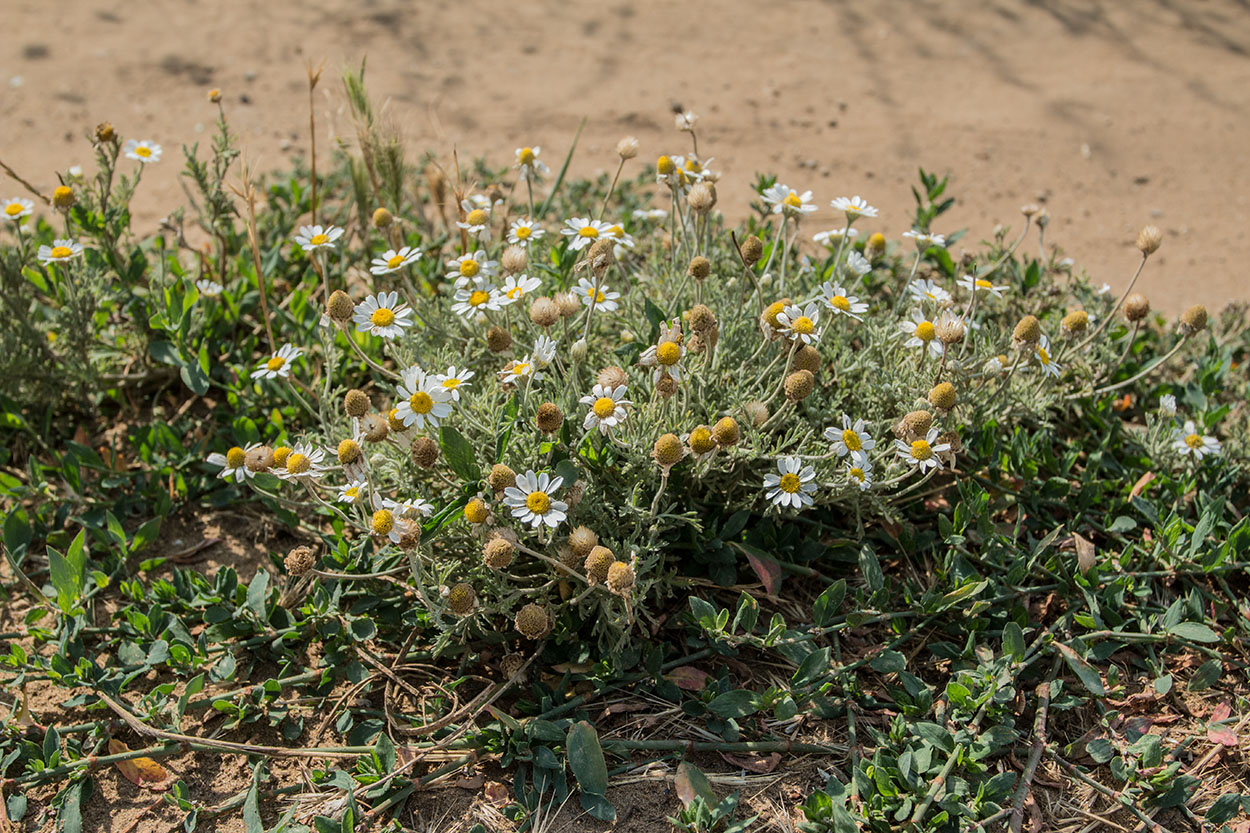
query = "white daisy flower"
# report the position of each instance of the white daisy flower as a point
(544, 351)
(476, 220)
(607, 407)
(476, 296)
(649, 214)
(582, 231)
(1167, 405)
(926, 290)
(1187, 440)
(305, 462)
(921, 333)
(15, 208)
(423, 400)
(833, 237)
(923, 453)
(603, 298)
(351, 492)
(529, 165)
(382, 315)
(696, 169)
(411, 508)
(279, 364)
(233, 463)
(518, 369)
(144, 150)
(838, 299)
(686, 121)
(209, 289)
(524, 231)
(454, 379)
(61, 250)
(853, 207)
(783, 199)
(666, 354)
(393, 261)
(860, 473)
(852, 439)
(623, 238)
(800, 325)
(384, 523)
(1044, 360)
(924, 239)
(532, 499)
(995, 365)
(467, 267)
(857, 264)
(793, 484)
(317, 237)
(516, 287)
(975, 284)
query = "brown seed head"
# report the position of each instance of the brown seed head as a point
(299, 561)
(949, 329)
(340, 307)
(514, 259)
(621, 578)
(943, 396)
(612, 377)
(409, 534)
(104, 133)
(627, 148)
(259, 458)
(726, 432)
(568, 304)
(807, 358)
(582, 540)
(498, 339)
(598, 562)
(461, 599)
(533, 621)
(1149, 239)
(511, 666)
(549, 418)
(573, 494)
(702, 197)
(424, 452)
(498, 553)
(666, 386)
(917, 424)
(1193, 320)
(1028, 332)
(751, 250)
(1074, 323)
(799, 385)
(544, 311)
(700, 267)
(702, 319)
(356, 403)
(1136, 307)
(757, 412)
(374, 427)
(501, 477)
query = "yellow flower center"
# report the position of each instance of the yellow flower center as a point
(521, 369)
(668, 353)
(793, 200)
(790, 483)
(604, 407)
(298, 464)
(1043, 356)
(588, 231)
(839, 302)
(318, 240)
(803, 325)
(858, 474)
(383, 522)
(616, 231)
(538, 503)
(982, 283)
(234, 458)
(14, 208)
(693, 165)
(664, 165)
(451, 384)
(477, 217)
(921, 450)
(469, 268)
(393, 421)
(851, 440)
(523, 232)
(421, 402)
(925, 331)
(394, 261)
(382, 317)
(352, 492)
(1193, 441)
(478, 297)
(526, 156)
(275, 364)
(145, 152)
(59, 252)
(597, 294)
(514, 291)
(774, 309)
(280, 455)
(349, 451)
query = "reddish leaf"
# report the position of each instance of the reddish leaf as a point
(687, 678)
(143, 772)
(496, 793)
(762, 764)
(768, 571)
(1141, 484)
(1224, 735)
(690, 784)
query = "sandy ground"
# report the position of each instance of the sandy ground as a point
(1113, 114)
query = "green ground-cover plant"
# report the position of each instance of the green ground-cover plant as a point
(532, 432)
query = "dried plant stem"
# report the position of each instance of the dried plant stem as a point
(1102, 325)
(1145, 371)
(248, 193)
(313, 77)
(1035, 754)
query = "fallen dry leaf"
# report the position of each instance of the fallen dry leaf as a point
(768, 571)
(762, 764)
(142, 772)
(496, 793)
(1141, 484)
(687, 678)
(1224, 735)
(1086, 554)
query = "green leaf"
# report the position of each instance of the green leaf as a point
(459, 454)
(889, 662)
(966, 592)
(251, 803)
(828, 603)
(936, 735)
(733, 704)
(1224, 808)
(586, 758)
(691, 783)
(811, 668)
(1086, 673)
(1206, 675)
(1013, 641)
(68, 573)
(1194, 632)
(385, 750)
(871, 568)
(69, 820)
(257, 593)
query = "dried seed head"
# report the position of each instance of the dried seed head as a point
(726, 432)
(299, 561)
(582, 540)
(701, 441)
(461, 599)
(259, 458)
(951, 438)
(612, 377)
(549, 418)
(409, 534)
(917, 424)
(356, 403)
(105, 133)
(514, 259)
(498, 339)
(1193, 320)
(533, 621)
(666, 386)
(702, 319)
(875, 247)
(702, 197)
(568, 304)
(807, 358)
(598, 562)
(799, 385)
(498, 553)
(573, 494)
(1149, 239)
(382, 218)
(752, 249)
(700, 267)
(373, 427)
(63, 197)
(757, 412)
(424, 452)
(1074, 323)
(627, 148)
(501, 477)
(1136, 307)
(476, 512)
(340, 306)
(512, 666)
(668, 450)
(621, 578)
(544, 311)
(949, 329)
(1028, 332)
(349, 452)
(942, 396)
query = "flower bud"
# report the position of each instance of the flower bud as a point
(382, 218)
(1136, 307)
(1193, 320)
(1149, 239)
(627, 148)
(579, 349)
(799, 385)
(549, 418)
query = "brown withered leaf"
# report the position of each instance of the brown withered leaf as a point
(1220, 732)
(497, 794)
(142, 772)
(687, 678)
(768, 571)
(1086, 553)
(1141, 484)
(762, 764)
